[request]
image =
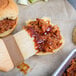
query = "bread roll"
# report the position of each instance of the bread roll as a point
(8, 17)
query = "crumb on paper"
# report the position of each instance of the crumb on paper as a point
(23, 67)
(74, 35)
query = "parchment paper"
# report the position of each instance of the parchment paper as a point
(62, 14)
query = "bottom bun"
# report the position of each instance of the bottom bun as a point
(6, 33)
(55, 50)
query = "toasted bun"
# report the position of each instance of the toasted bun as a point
(62, 41)
(9, 31)
(8, 9)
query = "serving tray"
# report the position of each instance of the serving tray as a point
(65, 64)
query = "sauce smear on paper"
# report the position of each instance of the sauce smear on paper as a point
(23, 68)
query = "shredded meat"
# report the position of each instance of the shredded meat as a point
(46, 37)
(71, 70)
(6, 24)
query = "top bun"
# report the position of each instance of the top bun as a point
(8, 9)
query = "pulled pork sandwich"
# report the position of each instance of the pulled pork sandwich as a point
(8, 17)
(46, 36)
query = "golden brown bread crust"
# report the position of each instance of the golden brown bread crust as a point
(9, 31)
(3, 4)
(8, 9)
